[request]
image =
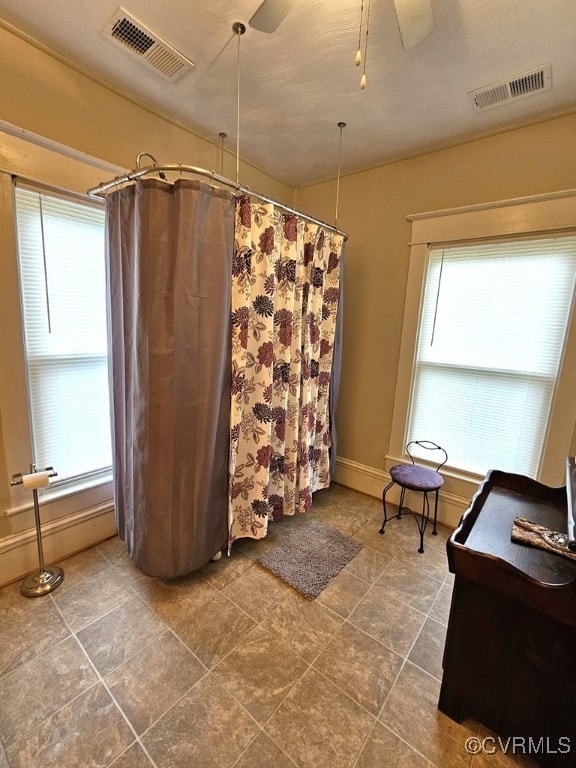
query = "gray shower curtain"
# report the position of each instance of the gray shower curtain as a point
(169, 278)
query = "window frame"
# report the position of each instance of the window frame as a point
(55, 170)
(543, 215)
(50, 361)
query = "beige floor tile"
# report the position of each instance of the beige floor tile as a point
(223, 572)
(120, 634)
(153, 680)
(320, 501)
(126, 571)
(35, 690)
(318, 725)
(303, 625)
(366, 507)
(443, 533)
(384, 749)
(360, 666)
(259, 672)
(390, 542)
(113, 549)
(214, 629)
(337, 493)
(410, 584)
(440, 610)
(428, 649)
(369, 564)
(174, 600)
(411, 711)
(80, 568)
(263, 753)
(255, 548)
(206, 728)
(258, 592)
(89, 731)
(28, 627)
(133, 757)
(433, 561)
(342, 519)
(343, 593)
(390, 621)
(88, 600)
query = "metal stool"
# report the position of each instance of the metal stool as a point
(411, 477)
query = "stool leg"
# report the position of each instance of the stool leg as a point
(402, 494)
(434, 531)
(385, 491)
(424, 521)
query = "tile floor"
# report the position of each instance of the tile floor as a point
(232, 667)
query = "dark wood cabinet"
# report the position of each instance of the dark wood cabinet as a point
(510, 654)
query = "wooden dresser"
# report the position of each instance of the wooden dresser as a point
(510, 653)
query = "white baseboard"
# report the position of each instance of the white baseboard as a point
(372, 482)
(60, 539)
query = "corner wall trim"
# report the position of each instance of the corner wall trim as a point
(372, 482)
(60, 539)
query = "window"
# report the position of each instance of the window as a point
(523, 225)
(491, 335)
(62, 280)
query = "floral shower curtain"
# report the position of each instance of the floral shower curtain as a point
(285, 299)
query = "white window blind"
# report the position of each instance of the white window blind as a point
(62, 278)
(491, 336)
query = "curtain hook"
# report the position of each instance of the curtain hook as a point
(145, 154)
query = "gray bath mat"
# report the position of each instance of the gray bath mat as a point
(309, 557)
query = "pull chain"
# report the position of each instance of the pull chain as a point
(358, 59)
(363, 79)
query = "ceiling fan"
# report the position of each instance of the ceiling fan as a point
(415, 19)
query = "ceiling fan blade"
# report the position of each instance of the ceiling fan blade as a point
(415, 20)
(270, 15)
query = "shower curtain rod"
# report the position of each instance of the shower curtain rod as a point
(157, 168)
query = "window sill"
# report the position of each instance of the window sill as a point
(70, 488)
(58, 501)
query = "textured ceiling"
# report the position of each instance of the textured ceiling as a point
(299, 82)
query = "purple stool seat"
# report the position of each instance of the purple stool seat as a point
(416, 478)
(412, 477)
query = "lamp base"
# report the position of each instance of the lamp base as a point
(42, 582)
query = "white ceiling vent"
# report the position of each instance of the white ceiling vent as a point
(515, 87)
(127, 32)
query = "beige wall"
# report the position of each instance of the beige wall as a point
(373, 209)
(44, 96)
